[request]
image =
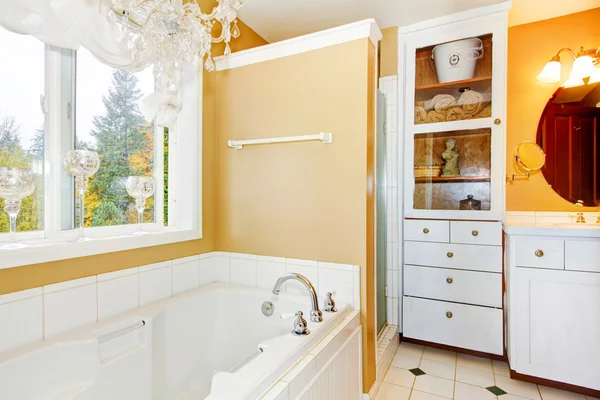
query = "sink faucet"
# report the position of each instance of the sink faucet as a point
(580, 217)
(315, 314)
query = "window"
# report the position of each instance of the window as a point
(109, 121)
(54, 100)
(22, 122)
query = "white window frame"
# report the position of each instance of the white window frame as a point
(185, 179)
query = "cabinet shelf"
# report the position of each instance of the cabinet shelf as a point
(450, 179)
(480, 84)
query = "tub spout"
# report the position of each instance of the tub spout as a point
(315, 314)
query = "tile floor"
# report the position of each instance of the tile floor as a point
(426, 373)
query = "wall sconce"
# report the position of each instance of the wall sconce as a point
(584, 70)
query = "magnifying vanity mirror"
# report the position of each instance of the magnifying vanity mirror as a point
(529, 157)
(568, 135)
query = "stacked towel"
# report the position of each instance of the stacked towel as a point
(444, 107)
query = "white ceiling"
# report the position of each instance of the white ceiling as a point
(277, 20)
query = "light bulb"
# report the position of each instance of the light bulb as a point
(583, 67)
(550, 73)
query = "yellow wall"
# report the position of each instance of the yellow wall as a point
(530, 46)
(388, 52)
(304, 200)
(15, 279)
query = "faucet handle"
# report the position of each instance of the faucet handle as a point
(329, 304)
(287, 315)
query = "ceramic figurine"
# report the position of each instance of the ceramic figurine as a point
(450, 156)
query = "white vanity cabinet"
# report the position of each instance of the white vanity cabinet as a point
(554, 306)
(454, 178)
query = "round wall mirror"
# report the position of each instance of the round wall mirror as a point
(530, 157)
(568, 134)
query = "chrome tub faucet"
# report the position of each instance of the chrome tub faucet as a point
(315, 314)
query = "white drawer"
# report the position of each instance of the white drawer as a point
(470, 232)
(539, 252)
(459, 256)
(469, 327)
(427, 230)
(479, 288)
(582, 255)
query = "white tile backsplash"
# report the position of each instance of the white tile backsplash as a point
(41, 313)
(267, 273)
(186, 276)
(116, 296)
(339, 280)
(243, 271)
(155, 285)
(21, 323)
(68, 309)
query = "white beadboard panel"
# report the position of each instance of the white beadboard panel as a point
(214, 269)
(300, 375)
(118, 274)
(310, 272)
(341, 281)
(69, 309)
(357, 290)
(69, 284)
(21, 323)
(186, 276)
(267, 273)
(243, 271)
(116, 296)
(158, 265)
(341, 379)
(21, 295)
(156, 285)
(185, 260)
(279, 391)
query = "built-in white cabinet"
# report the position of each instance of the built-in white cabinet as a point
(554, 307)
(453, 110)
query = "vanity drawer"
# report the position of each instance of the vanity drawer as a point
(427, 230)
(539, 252)
(459, 256)
(582, 255)
(469, 327)
(470, 232)
(479, 288)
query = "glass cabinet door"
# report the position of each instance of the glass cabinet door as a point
(453, 81)
(452, 170)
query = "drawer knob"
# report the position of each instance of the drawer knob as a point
(425, 230)
(449, 280)
(497, 121)
(475, 233)
(448, 314)
(450, 254)
(539, 253)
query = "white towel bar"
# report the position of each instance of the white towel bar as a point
(324, 137)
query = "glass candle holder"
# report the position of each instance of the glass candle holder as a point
(140, 188)
(81, 164)
(15, 184)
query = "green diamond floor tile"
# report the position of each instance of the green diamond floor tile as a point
(417, 371)
(496, 390)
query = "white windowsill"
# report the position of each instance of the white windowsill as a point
(46, 250)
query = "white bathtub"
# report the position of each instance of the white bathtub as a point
(180, 348)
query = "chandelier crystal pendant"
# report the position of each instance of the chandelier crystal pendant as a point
(171, 33)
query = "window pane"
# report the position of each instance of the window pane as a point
(108, 121)
(22, 121)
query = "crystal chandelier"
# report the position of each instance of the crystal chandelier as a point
(171, 33)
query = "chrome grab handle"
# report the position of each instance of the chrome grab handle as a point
(130, 328)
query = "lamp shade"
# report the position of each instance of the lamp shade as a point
(550, 73)
(583, 66)
(595, 77)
